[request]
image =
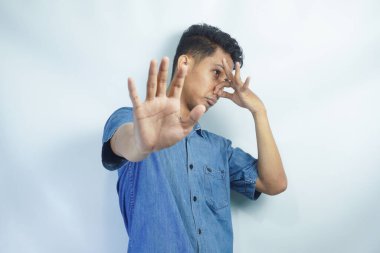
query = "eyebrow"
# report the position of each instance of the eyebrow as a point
(219, 65)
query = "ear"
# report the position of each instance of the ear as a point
(184, 60)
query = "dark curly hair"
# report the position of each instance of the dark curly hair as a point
(201, 40)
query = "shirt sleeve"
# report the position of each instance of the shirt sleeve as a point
(243, 172)
(110, 160)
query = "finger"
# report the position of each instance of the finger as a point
(152, 81)
(194, 115)
(162, 77)
(229, 73)
(225, 94)
(222, 85)
(246, 83)
(227, 69)
(133, 93)
(178, 81)
(237, 74)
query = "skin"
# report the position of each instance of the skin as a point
(202, 79)
(166, 117)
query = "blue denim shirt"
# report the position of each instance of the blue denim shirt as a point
(178, 199)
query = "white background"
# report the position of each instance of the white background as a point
(314, 64)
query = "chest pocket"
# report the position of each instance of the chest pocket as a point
(215, 188)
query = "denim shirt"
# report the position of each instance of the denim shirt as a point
(178, 199)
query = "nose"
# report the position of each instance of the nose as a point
(228, 81)
(225, 83)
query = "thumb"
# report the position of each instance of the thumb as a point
(195, 115)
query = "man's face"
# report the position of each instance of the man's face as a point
(201, 79)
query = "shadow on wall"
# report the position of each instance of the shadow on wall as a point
(89, 193)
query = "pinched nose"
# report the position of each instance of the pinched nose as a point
(217, 90)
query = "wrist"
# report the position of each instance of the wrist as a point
(258, 111)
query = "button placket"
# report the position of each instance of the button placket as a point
(193, 177)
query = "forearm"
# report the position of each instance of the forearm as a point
(270, 168)
(123, 144)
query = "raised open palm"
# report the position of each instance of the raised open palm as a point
(157, 121)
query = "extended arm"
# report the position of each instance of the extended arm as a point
(156, 121)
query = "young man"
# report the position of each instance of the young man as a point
(175, 177)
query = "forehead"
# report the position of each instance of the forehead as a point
(217, 57)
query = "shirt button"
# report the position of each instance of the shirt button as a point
(191, 166)
(199, 231)
(195, 198)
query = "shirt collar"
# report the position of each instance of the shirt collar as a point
(197, 128)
